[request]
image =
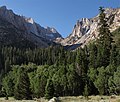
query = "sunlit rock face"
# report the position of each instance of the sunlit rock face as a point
(86, 29)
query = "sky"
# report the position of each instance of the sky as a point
(60, 14)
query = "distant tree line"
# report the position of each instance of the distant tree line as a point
(54, 71)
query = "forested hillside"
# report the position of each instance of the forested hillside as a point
(54, 71)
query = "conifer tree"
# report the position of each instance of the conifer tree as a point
(22, 88)
(86, 91)
(7, 65)
(113, 56)
(81, 62)
(92, 55)
(49, 89)
(105, 40)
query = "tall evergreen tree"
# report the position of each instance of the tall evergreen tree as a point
(92, 55)
(81, 62)
(105, 40)
(113, 56)
(22, 88)
(49, 89)
(7, 64)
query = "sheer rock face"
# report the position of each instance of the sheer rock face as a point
(86, 29)
(28, 25)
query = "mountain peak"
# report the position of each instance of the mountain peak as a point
(86, 29)
(25, 23)
(32, 31)
(52, 29)
(3, 7)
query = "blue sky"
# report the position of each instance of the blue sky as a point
(61, 14)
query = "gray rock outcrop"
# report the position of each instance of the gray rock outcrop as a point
(86, 29)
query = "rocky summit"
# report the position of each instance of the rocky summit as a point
(86, 30)
(31, 30)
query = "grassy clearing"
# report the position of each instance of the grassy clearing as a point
(72, 99)
(91, 99)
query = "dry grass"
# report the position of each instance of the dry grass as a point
(91, 99)
(72, 99)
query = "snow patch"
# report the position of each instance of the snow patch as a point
(29, 20)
